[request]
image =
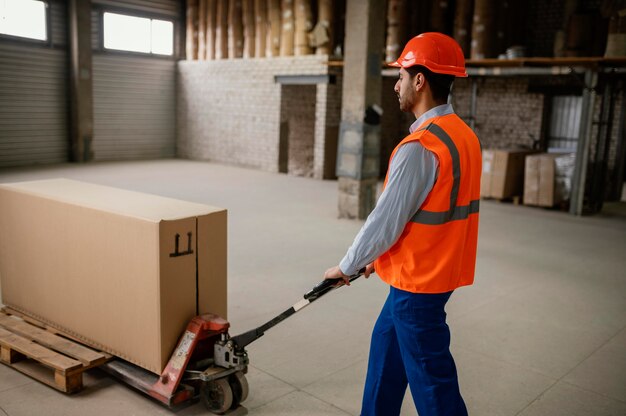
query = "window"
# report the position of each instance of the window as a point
(23, 18)
(138, 34)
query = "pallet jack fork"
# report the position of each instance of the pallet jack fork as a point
(207, 363)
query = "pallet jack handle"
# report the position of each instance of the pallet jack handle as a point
(319, 290)
(327, 285)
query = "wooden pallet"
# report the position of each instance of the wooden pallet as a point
(45, 356)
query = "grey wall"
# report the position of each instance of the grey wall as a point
(134, 94)
(33, 97)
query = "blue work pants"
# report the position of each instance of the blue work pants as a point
(411, 344)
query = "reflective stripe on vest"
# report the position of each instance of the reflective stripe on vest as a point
(454, 213)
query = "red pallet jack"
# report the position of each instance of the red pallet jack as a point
(208, 364)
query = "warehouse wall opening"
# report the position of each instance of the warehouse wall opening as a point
(24, 19)
(297, 130)
(138, 34)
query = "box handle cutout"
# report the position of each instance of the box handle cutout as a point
(177, 253)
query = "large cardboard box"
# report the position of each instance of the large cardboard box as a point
(547, 180)
(503, 173)
(120, 270)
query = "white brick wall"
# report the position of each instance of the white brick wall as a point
(228, 111)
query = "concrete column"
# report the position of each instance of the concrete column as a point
(81, 85)
(359, 138)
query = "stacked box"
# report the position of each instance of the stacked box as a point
(503, 173)
(548, 177)
(121, 271)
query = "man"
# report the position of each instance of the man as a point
(421, 238)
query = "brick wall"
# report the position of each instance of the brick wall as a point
(228, 111)
(298, 113)
(507, 115)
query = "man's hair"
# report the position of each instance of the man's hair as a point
(440, 84)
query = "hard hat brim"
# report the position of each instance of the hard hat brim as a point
(437, 69)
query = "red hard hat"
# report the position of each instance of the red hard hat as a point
(435, 51)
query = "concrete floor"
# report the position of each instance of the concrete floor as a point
(542, 331)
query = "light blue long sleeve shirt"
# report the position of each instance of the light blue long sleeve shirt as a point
(412, 174)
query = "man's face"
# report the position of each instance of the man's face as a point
(405, 90)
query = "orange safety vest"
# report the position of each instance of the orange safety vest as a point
(436, 251)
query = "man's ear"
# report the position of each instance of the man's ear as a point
(418, 81)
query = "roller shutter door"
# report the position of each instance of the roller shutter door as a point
(33, 97)
(134, 95)
(134, 107)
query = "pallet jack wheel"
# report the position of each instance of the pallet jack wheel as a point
(239, 386)
(217, 395)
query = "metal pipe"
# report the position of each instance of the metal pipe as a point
(538, 71)
(603, 145)
(584, 139)
(513, 71)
